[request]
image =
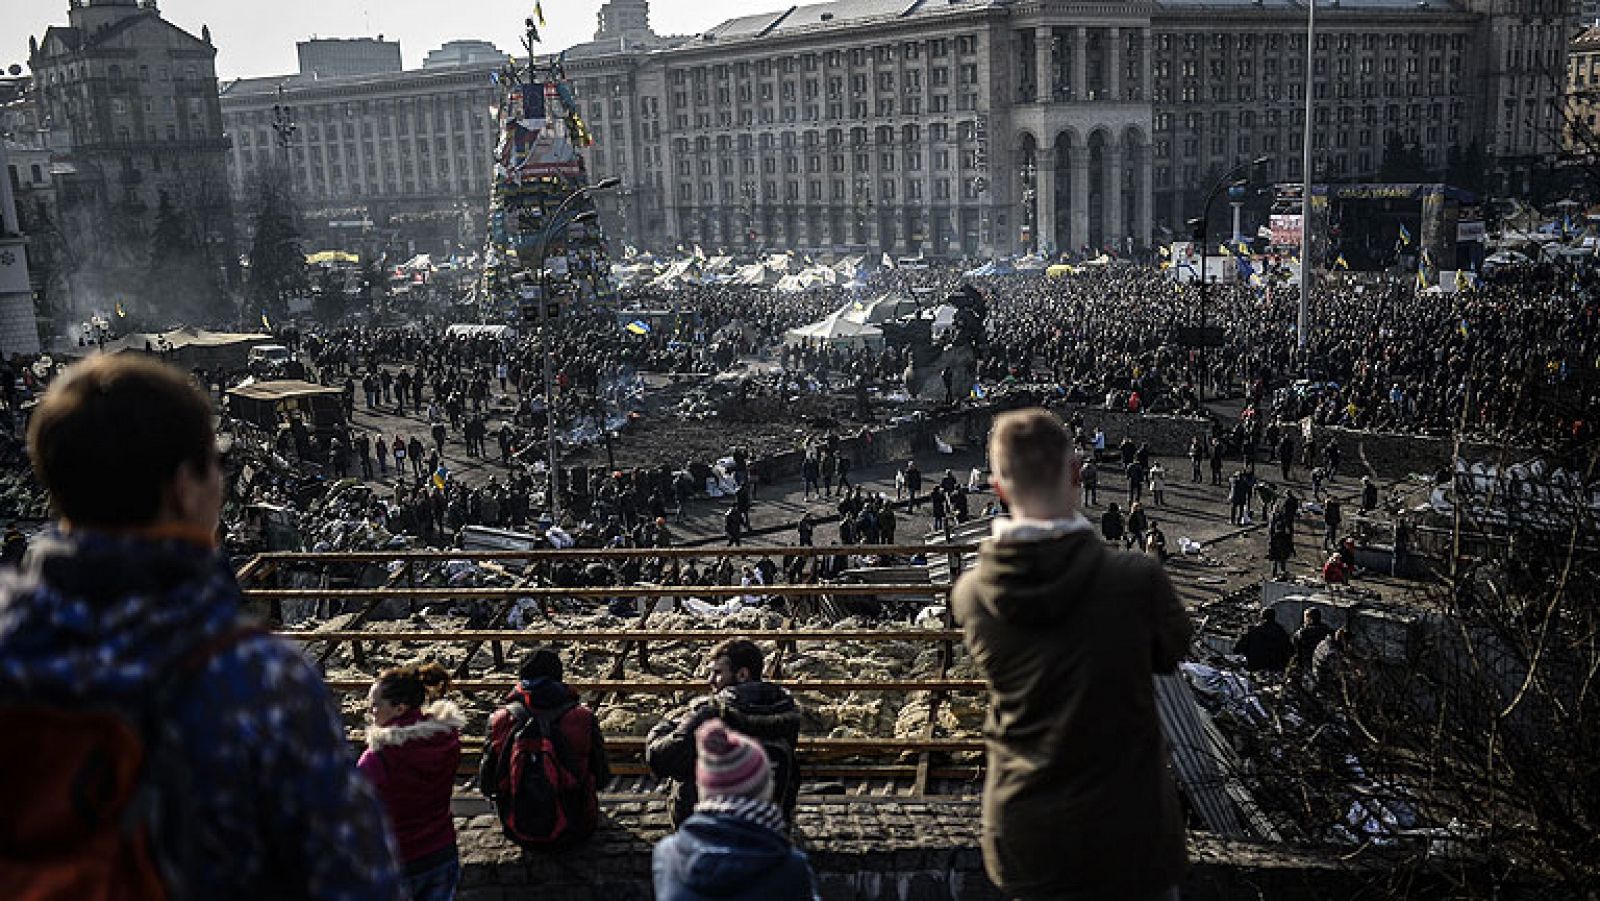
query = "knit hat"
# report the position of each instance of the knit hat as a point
(730, 764)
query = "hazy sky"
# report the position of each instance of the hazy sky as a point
(257, 38)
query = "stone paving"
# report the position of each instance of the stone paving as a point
(882, 849)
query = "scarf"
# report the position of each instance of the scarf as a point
(754, 810)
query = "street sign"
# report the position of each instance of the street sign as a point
(1193, 336)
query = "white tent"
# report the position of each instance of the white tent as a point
(881, 309)
(757, 275)
(837, 330)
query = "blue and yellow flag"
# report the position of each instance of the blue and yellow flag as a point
(440, 477)
(637, 327)
(264, 323)
(1405, 234)
(1339, 262)
(538, 12)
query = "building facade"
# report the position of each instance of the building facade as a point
(127, 102)
(1581, 137)
(396, 161)
(346, 57)
(973, 127)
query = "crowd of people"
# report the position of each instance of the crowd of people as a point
(129, 605)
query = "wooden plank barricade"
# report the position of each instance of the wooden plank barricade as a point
(922, 761)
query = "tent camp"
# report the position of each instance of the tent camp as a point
(192, 347)
(990, 269)
(838, 331)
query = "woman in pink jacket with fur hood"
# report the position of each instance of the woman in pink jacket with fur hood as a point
(413, 749)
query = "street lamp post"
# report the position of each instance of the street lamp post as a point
(1303, 314)
(547, 330)
(1229, 179)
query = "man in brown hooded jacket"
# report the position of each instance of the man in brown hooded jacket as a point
(1078, 802)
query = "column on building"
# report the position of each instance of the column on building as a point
(1146, 205)
(1080, 195)
(1146, 65)
(1113, 193)
(1044, 62)
(1045, 189)
(1080, 63)
(1114, 64)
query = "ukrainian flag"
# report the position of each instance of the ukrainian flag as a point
(440, 477)
(1405, 234)
(1340, 262)
(637, 327)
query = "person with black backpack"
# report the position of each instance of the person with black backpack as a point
(220, 765)
(762, 710)
(545, 760)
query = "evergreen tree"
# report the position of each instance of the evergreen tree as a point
(374, 284)
(277, 264)
(177, 288)
(331, 302)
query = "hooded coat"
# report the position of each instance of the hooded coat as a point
(1078, 800)
(97, 620)
(412, 763)
(764, 711)
(726, 856)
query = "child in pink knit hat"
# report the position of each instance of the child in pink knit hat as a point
(735, 845)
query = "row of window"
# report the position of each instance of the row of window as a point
(935, 48)
(76, 71)
(860, 193)
(888, 161)
(1245, 145)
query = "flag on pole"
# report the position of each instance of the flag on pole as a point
(121, 313)
(1339, 262)
(538, 12)
(440, 477)
(1405, 235)
(264, 323)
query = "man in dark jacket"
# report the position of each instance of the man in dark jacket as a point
(1266, 646)
(762, 710)
(1078, 800)
(1310, 634)
(130, 598)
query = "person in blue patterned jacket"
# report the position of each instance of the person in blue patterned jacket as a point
(128, 600)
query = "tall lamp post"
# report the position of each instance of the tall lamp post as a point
(547, 321)
(1202, 229)
(1303, 313)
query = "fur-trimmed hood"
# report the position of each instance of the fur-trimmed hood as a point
(439, 718)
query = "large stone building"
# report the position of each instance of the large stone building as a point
(978, 126)
(1582, 133)
(949, 127)
(344, 57)
(127, 102)
(394, 160)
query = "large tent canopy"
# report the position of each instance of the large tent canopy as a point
(835, 329)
